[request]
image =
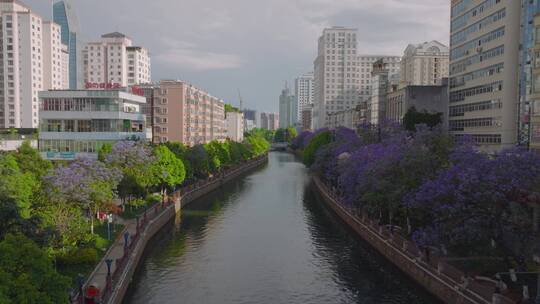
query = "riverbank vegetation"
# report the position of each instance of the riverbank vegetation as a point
(444, 194)
(52, 227)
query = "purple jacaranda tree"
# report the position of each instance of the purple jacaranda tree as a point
(135, 160)
(480, 202)
(88, 183)
(298, 142)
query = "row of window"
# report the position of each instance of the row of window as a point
(478, 90)
(457, 111)
(462, 20)
(80, 104)
(76, 146)
(462, 35)
(482, 138)
(95, 125)
(465, 49)
(461, 66)
(460, 125)
(459, 81)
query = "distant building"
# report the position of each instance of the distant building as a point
(184, 113)
(269, 121)
(307, 117)
(424, 64)
(235, 126)
(382, 79)
(114, 60)
(346, 119)
(78, 123)
(304, 90)
(250, 119)
(12, 139)
(64, 15)
(334, 88)
(288, 109)
(432, 99)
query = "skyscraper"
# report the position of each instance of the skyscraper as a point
(32, 61)
(303, 90)
(335, 73)
(484, 76)
(64, 15)
(288, 109)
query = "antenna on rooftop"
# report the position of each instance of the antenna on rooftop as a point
(241, 101)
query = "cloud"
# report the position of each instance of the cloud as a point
(185, 55)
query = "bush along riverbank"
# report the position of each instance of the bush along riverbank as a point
(475, 215)
(53, 225)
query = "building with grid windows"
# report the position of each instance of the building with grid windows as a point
(484, 71)
(114, 60)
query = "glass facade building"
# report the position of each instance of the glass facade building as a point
(64, 15)
(78, 123)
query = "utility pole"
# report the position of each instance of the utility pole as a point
(241, 101)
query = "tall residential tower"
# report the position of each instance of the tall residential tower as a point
(64, 15)
(484, 64)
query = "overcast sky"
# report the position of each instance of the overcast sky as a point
(253, 45)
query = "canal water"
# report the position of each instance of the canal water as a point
(267, 239)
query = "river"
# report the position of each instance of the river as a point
(266, 238)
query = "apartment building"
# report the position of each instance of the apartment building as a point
(303, 90)
(288, 109)
(269, 121)
(29, 61)
(484, 71)
(184, 113)
(114, 60)
(424, 64)
(235, 126)
(336, 73)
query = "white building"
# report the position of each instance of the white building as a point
(424, 64)
(54, 61)
(365, 68)
(484, 71)
(303, 90)
(235, 126)
(335, 73)
(79, 123)
(114, 60)
(28, 47)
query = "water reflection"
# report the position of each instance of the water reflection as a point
(266, 239)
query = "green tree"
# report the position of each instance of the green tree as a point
(169, 169)
(320, 140)
(16, 184)
(182, 152)
(413, 118)
(105, 150)
(229, 108)
(256, 145)
(30, 161)
(291, 133)
(212, 151)
(27, 274)
(280, 135)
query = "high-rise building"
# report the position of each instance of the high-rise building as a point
(484, 71)
(304, 90)
(250, 119)
(288, 109)
(365, 69)
(335, 73)
(184, 113)
(30, 63)
(530, 77)
(64, 15)
(307, 114)
(114, 60)
(424, 64)
(54, 57)
(269, 121)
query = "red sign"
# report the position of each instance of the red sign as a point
(137, 90)
(105, 86)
